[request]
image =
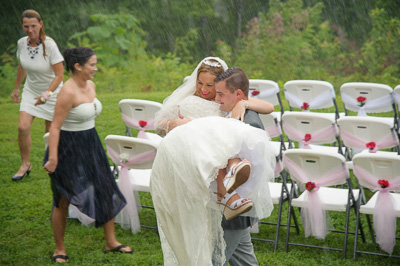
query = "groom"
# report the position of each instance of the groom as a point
(232, 87)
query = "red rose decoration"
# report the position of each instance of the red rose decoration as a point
(142, 123)
(310, 186)
(383, 183)
(305, 106)
(254, 93)
(370, 145)
(361, 100)
(307, 137)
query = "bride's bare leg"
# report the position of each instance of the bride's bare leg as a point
(232, 162)
(220, 184)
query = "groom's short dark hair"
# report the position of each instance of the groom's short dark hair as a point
(235, 79)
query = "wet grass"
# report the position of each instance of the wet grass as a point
(25, 209)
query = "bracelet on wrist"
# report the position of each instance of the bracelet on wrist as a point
(46, 95)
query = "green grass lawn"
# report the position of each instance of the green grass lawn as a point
(25, 209)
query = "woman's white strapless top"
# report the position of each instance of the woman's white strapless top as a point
(82, 117)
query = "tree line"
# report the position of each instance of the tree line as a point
(152, 43)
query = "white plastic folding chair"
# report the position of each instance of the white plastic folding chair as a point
(379, 172)
(135, 158)
(311, 131)
(73, 211)
(366, 133)
(319, 172)
(267, 90)
(139, 114)
(365, 98)
(311, 95)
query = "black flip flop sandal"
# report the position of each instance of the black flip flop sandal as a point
(118, 250)
(63, 257)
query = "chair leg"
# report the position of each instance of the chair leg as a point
(115, 170)
(128, 132)
(371, 230)
(358, 222)
(278, 224)
(288, 223)
(296, 223)
(346, 233)
(360, 226)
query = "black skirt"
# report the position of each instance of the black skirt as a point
(83, 175)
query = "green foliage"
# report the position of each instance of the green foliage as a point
(184, 45)
(8, 72)
(292, 42)
(382, 52)
(151, 45)
(116, 37)
(289, 42)
(118, 42)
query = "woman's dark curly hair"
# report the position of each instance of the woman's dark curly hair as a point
(78, 55)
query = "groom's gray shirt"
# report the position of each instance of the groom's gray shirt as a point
(241, 222)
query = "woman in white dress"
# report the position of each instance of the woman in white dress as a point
(76, 161)
(188, 161)
(41, 64)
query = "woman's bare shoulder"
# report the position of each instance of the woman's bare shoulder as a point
(68, 90)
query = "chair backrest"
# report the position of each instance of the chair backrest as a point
(139, 110)
(322, 129)
(310, 94)
(129, 147)
(375, 97)
(358, 131)
(384, 165)
(266, 90)
(271, 124)
(396, 95)
(315, 164)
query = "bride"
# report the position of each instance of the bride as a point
(188, 161)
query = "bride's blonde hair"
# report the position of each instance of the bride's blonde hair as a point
(209, 65)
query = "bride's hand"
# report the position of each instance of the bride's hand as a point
(238, 110)
(177, 122)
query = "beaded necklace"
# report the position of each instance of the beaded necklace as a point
(32, 51)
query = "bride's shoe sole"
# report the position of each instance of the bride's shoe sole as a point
(241, 175)
(232, 213)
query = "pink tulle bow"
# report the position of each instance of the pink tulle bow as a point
(384, 216)
(318, 102)
(274, 130)
(363, 106)
(306, 139)
(354, 141)
(141, 125)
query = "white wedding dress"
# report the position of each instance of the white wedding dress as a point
(183, 181)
